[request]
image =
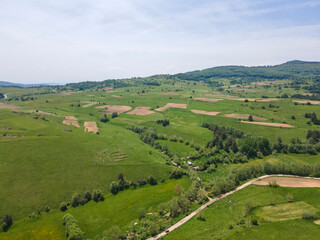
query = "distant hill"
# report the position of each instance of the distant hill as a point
(10, 84)
(291, 69)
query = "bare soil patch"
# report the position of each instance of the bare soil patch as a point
(90, 127)
(169, 93)
(9, 106)
(207, 99)
(141, 111)
(172, 105)
(114, 108)
(290, 182)
(243, 116)
(270, 124)
(204, 112)
(71, 120)
(306, 101)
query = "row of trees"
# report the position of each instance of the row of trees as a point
(122, 183)
(73, 231)
(313, 117)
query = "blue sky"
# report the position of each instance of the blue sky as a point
(57, 41)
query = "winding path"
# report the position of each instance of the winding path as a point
(184, 220)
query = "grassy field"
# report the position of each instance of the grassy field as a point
(94, 218)
(223, 214)
(43, 162)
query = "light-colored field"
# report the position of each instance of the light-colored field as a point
(45, 113)
(270, 124)
(107, 88)
(116, 96)
(90, 127)
(306, 101)
(9, 106)
(267, 99)
(89, 104)
(142, 111)
(207, 99)
(243, 116)
(169, 93)
(290, 182)
(114, 108)
(71, 120)
(285, 211)
(247, 89)
(172, 105)
(204, 112)
(230, 97)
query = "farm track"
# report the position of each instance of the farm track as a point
(184, 220)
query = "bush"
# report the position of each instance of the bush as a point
(104, 119)
(6, 222)
(114, 187)
(177, 173)
(114, 115)
(290, 198)
(75, 200)
(254, 222)
(200, 217)
(211, 168)
(141, 213)
(308, 215)
(63, 206)
(273, 184)
(152, 181)
(97, 196)
(73, 231)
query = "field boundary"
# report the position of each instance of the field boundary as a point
(191, 215)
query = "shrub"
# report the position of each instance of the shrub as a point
(177, 173)
(211, 168)
(290, 198)
(104, 119)
(248, 208)
(250, 118)
(63, 206)
(114, 187)
(97, 196)
(6, 222)
(114, 115)
(75, 200)
(200, 217)
(273, 184)
(152, 181)
(254, 222)
(73, 231)
(308, 215)
(142, 212)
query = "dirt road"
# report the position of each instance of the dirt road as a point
(184, 220)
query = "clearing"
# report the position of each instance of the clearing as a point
(243, 116)
(90, 127)
(9, 106)
(141, 111)
(115, 108)
(204, 112)
(172, 105)
(270, 124)
(290, 182)
(207, 99)
(71, 120)
(89, 103)
(285, 211)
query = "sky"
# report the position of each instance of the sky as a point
(59, 41)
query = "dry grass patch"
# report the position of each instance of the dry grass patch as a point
(116, 96)
(9, 106)
(89, 104)
(71, 120)
(90, 127)
(169, 93)
(141, 111)
(290, 182)
(305, 102)
(207, 99)
(204, 112)
(243, 116)
(114, 108)
(247, 89)
(172, 105)
(283, 212)
(284, 125)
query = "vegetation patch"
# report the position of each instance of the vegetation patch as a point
(286, 211)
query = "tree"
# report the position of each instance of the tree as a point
(104, 119)
(152, 181)
(114, 115)
(75, 200)
(63, 206)
(114, 187)
(6, 222)
(250, 118)
(97, 196)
